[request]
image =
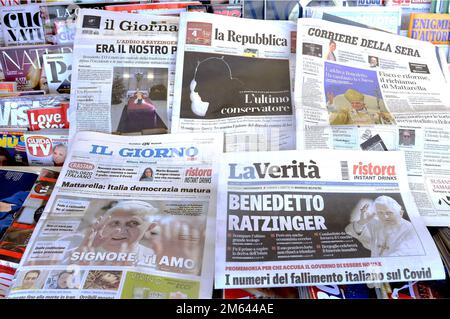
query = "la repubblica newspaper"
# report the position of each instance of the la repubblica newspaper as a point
(127, 219)
(123, 73)
(301, 218)
(236, 76)
(365, 89)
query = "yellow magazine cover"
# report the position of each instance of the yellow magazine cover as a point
(431, 27)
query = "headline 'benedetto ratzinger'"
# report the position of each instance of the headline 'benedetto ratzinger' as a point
(319, 217)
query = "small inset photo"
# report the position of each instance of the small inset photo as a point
(330, 56)
(32, 279)
(252, 53)
(373, 61)
(64, 279)
(407, 137)
(147, 175)
(312, 49)
(103, 279)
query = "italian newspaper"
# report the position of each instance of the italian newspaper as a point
(123, 73)
(128, 219)
(351, 75)
(301, 218)
(371, 90)
(234, 76)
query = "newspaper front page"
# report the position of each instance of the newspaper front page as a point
(301, 218)
(127, 219)
(346, 75)
(123, 73)
(235, 76)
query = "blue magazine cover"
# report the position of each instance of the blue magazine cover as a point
(14, 189)
(12, 149)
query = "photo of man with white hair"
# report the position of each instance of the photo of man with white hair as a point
(138, 227)
(382, 229)
(121, 228)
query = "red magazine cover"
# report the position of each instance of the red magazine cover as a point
(53, 117)
(46, 147)
(14, 241)
(6, 277)
(13, 110)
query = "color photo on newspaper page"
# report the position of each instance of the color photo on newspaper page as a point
(98, 238)
(139, 100)
(354, 96)
(328, 217)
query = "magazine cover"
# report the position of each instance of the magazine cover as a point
(12, 149)
(17, 236)
(301, 218)
(51, 117)
(22, 25)
(14, 111)
(24, 65)
(59, 19)
(286, 10)
(9, 3)
(58, 70)
(15, 187)
(391, 290)
(47, 147)
(21, 93)
(431, 27)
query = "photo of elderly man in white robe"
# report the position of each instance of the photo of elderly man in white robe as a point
(382, 229)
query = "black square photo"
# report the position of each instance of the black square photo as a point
(92, 22)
